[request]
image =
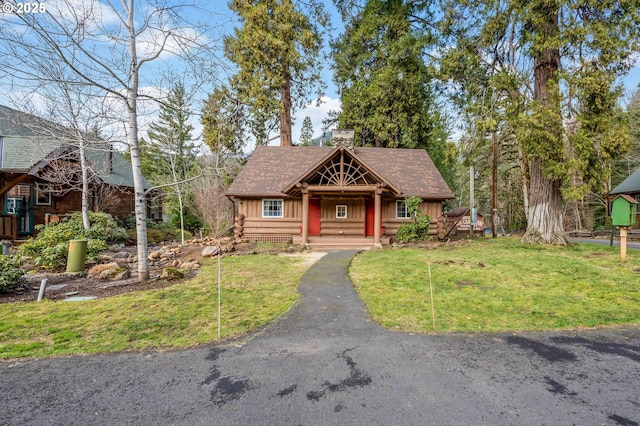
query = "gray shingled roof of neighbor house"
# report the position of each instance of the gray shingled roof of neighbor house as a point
(272, 168)
(630, 185)
(26, 140)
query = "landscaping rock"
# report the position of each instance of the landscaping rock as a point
(171, 274)
(109, 271)
(115, 274)
(155, 255)
(120, 255)
(209, 251)
(190, 265)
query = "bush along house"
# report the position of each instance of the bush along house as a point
(333, 195)
(40, 175)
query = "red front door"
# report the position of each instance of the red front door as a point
(314, 217)
(370, 217)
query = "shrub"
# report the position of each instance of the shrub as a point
(158, 232)
(50, 248)
(11, 276)
(103, 227)
(127, 223)
(417, 230)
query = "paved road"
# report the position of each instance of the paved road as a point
(607, 242)
(327, 363)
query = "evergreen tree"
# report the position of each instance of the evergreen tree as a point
(384, 84)
(223, 119)
(170, 143)
(277, 52)
(623, 167)
(171, 152)
(569, 56)
(306, 133)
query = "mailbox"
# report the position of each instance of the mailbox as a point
(623, 210)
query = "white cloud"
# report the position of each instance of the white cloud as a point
(93, 13)
(317, 114)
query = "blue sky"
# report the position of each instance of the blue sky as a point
(223, 20)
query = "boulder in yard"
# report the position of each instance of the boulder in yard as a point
(115, 274)
(171, 274)
(109, 271)
(155, 255)
(209, 251)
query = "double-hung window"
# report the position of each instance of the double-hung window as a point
(341, 211)
(401, 210)
(43, 195)
(272, 208)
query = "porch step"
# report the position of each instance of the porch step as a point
(338, 243)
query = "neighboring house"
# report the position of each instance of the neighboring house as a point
(40, 175)
(314, 195)
(629, 186)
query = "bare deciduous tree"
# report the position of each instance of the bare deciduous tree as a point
(106, 46)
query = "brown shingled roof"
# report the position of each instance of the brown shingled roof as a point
(272, 168)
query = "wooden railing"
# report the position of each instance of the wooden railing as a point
(8, 227)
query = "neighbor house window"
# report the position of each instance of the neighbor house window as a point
(341, 211)
(272, 208)
(401, 210)
(12, 205)
(43, 195)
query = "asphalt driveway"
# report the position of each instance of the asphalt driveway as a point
(327, 363)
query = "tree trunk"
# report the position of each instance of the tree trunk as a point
(140, 199)
(85, 187)
(545, 211)
(544, 218)
(285, 113)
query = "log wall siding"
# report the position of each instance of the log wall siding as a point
(254, 223)
(355, 209)
(391, 224)
(352, 225)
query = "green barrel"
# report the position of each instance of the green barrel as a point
(77, 256)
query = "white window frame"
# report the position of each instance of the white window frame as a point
(406, 211)
(275, 201)
(43, 190)
(338, 211)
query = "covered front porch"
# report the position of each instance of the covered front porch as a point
(341, 201)
(347, 214)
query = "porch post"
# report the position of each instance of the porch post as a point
(377, 216)
(305, 216)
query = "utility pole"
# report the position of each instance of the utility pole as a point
(472, 202)
(494, 178)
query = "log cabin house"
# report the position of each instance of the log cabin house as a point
(40, 175)
(333, 196)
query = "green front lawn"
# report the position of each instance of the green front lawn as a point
(499, 285)
(484, 285)
(255, 290)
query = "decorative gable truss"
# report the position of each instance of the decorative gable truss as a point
(342, 170)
